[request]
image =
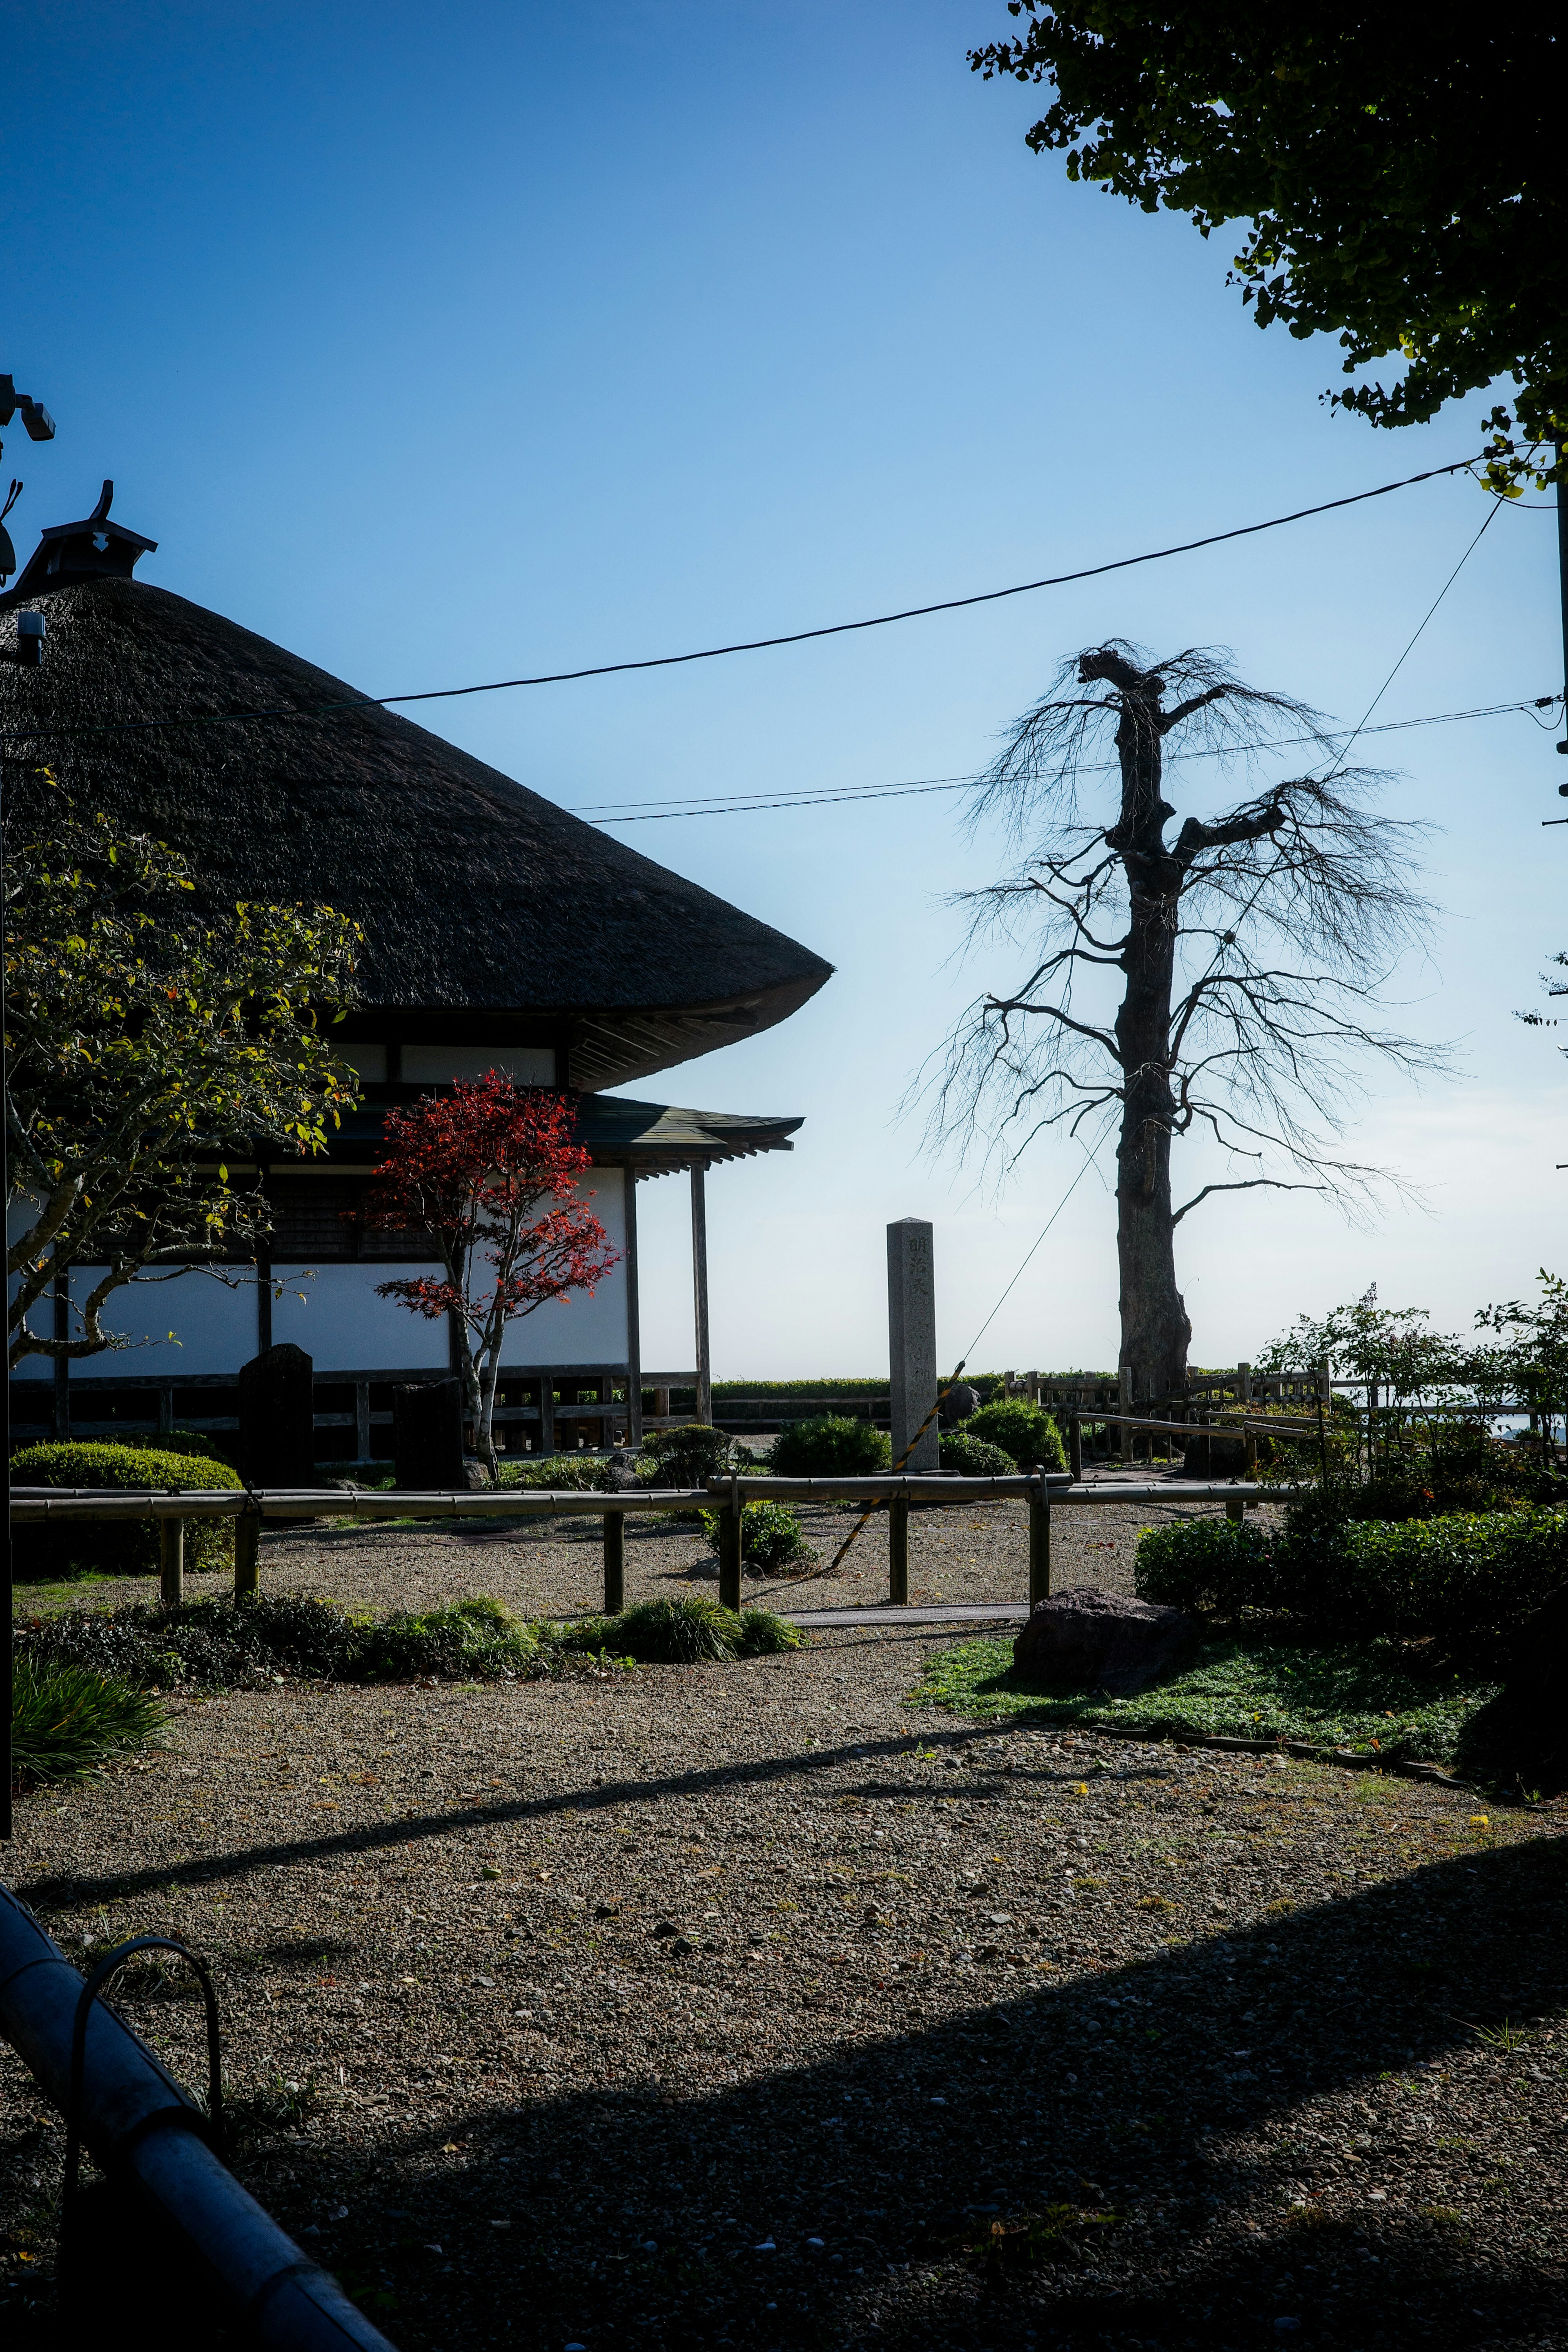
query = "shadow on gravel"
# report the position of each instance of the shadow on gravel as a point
(1099, 2165)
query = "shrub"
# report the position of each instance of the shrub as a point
(686, 1456)
(1205, 1565)
(764, 1636)
(226, 1643)
(127, 1546)
(770, 1533)
(66, 1720)
(194, 1441)
(674, 1633)
(1471, 1579)
(1026, 1432)
(974, 1457)
(830, 1445)
(565, 1474)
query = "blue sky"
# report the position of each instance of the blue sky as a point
(441, 345)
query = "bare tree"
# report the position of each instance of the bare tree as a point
(1253, 950)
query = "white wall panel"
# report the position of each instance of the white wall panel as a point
(338, 1319)
(213, 1328)
(579, 1329)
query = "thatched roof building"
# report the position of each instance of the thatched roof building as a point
(491, 916)
(498, 929)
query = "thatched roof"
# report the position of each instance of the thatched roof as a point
(492, 916)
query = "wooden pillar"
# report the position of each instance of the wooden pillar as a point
(1235, 1511)
(1124, 1404)
(547, 1411)
(171, 1560)
(634, 1316)
(899, 1550)
(615, 1562)
(362, 1420)
(699, 1292)
(1039, 1537)
(248, 1557)
(730, 1533)
(1075, 1446)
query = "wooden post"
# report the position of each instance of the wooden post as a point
(1075, 1446)
(171, 1560)
(247, 1556)
(730, 1547)
(1235, 1511)
(1124, 1404)
(362, 1420)
(899, 1550)
(700, 1293)
(1039, 1536)
(547, 1411)
(634, 1316)
(615, 1562)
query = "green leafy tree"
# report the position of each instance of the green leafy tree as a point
(146, 1047)
(1399, 172)
(1532, 1351)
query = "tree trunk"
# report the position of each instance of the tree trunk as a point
(1155, 1331)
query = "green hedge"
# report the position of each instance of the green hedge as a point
(770, 1534)
(1469, 1580)
(1022, 1430)
(129, 1546)
(830, 1445)
(973, 1457)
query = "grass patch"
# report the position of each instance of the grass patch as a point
(1356, 1696)
(229, 1644)
(66, 1720)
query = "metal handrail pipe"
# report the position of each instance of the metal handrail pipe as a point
(137, 2123)
(35, 1507)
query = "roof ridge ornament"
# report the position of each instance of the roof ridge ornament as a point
(94, 548)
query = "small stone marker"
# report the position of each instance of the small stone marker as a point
(428, 1437)
(1087, 1639)
(277, 1417)
(911, 1339)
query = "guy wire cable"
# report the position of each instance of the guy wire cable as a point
(951, 1381)
(749, 644)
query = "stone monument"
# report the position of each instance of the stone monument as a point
(911, 1339)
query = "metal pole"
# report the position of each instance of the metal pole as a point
(634, 1316)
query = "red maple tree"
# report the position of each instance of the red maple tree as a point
(474, 1169)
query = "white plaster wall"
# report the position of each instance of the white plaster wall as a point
(336, 1317)
(433, 1065)
(214, 1329)
(579, 1329)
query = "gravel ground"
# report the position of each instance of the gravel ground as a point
(737, 2006)
(554, 1568)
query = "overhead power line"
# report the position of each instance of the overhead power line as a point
(744, 646)
(656, 812)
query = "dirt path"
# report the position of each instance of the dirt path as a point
(722, 2006)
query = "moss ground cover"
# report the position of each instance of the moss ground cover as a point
(1363, 1695)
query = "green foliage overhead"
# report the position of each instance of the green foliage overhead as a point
(1024, 1431)
(770, 1534)
(1399, 172)
(122, 1547)
(830, 1445)
(149, 1046)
